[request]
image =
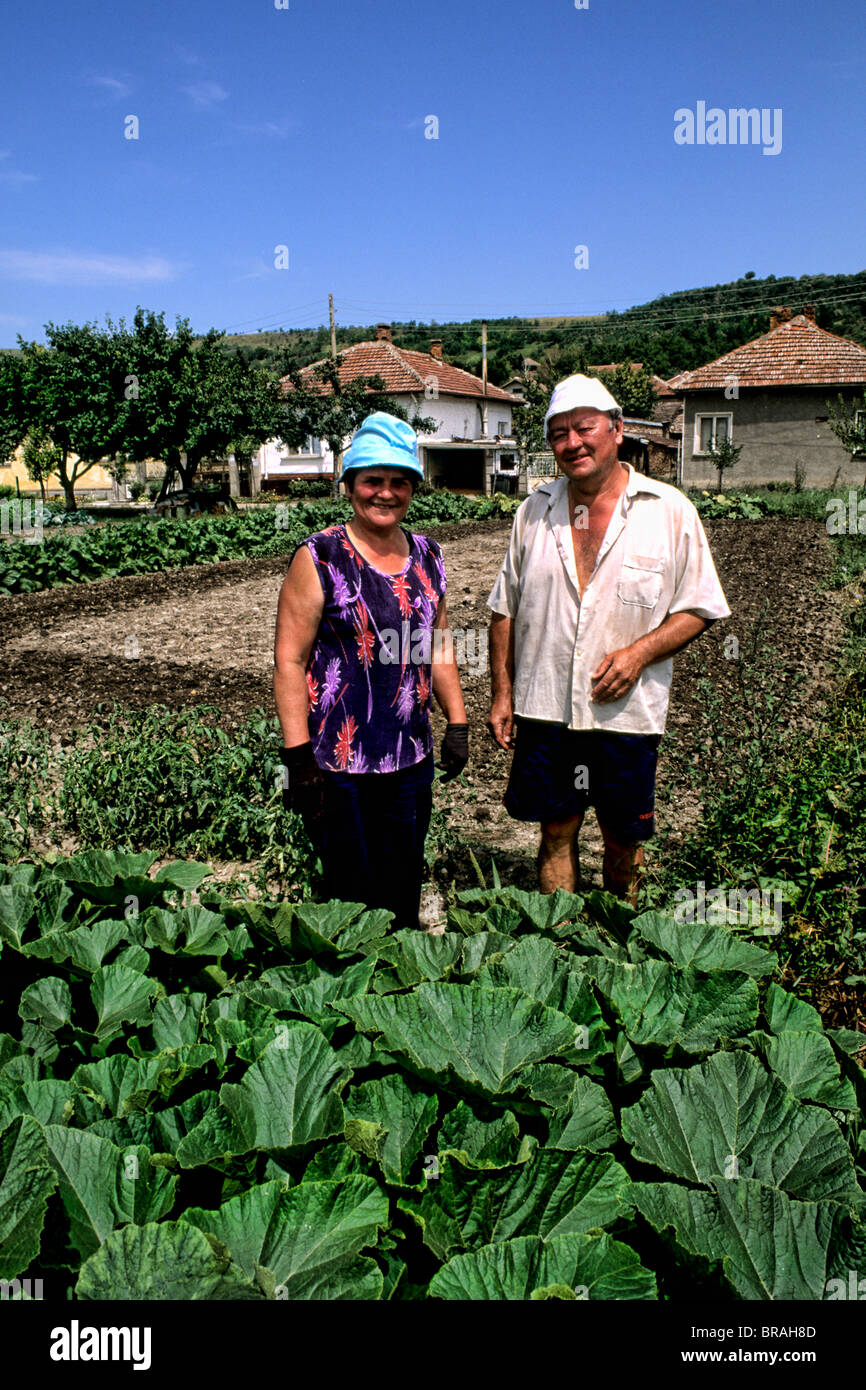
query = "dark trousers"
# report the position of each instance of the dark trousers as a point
(372, 837)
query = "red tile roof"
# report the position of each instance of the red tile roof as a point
(403, 370)
(795, 353)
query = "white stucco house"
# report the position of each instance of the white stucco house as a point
(472, 442)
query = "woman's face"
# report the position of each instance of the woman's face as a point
(380, 497)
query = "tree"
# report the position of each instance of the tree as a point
(187, 401)
(848, 423)
(331, 409)
(529, 418)
(72, 394)
(41, 459)
(724, 454)
(13, 420)
(632, 390)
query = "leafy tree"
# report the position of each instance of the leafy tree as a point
(186, 401)
(41, 459)
(13, 420)
(72, 393)
(724, 455)
(848, 423)
(529, 418)
(632, 390)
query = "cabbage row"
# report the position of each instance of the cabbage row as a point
(553, 1099)
(143, 546)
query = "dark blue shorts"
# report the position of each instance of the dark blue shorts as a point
(558, 772)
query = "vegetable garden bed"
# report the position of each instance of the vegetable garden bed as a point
(213, 1099)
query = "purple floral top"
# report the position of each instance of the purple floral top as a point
(370, 677)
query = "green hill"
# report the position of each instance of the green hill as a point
(669, 334)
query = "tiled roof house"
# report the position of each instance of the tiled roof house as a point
(770, 396)
(458, 454)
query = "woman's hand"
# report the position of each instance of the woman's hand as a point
(304, 788)
(454, 752)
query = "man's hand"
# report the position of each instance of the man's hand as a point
(501, 721)
(616, 674)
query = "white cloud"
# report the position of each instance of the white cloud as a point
(278, 130)
(71, 267)
(205, 93)
(187, 55)
(17, 176)
(112, 85)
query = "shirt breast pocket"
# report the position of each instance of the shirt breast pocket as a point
(640, 581)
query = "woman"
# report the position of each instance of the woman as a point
(356, 661)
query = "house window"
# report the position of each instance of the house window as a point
(311, 447)
(502, 429)
(859, 424)
(709, 429)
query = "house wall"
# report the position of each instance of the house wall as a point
(96, 479)
(778, 428)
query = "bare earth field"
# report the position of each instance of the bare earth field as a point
(204, 635)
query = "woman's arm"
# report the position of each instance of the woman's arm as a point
(299, 613)
(446, 678)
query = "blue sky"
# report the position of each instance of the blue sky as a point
(305, 127)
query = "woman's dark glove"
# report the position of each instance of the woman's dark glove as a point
(304, 788)
(455, 750)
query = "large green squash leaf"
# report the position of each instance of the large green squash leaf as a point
(485, 1036)
(771, 1247)
(592, 1267)
(663, 1006)
(121, 995)
(289, 1097)
(103, 1187)
(807, 1064)
(194, 931)
(727, 1118)
(552, 1193)
(17, 912)
(48, 1001)
(586, 1121)
(49, 1101)
(161, 1131)
(335, 927)
(415, 956)
(388, 1121)
(178, 1019)
(26, 1182)
(482, 1143)
(704, 947)
(170, 1260)
(308, 1237)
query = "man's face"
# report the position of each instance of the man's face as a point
(584, 445)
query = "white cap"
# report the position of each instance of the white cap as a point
(577, 392)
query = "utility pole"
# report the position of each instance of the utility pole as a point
(484, 379)
(338, 454)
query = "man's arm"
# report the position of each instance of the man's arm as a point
(501, 721)
(619, 671)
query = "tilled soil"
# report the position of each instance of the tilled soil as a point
(204, 635)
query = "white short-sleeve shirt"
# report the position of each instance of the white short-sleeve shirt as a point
(654, 561)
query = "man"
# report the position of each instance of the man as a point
(608, 574)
